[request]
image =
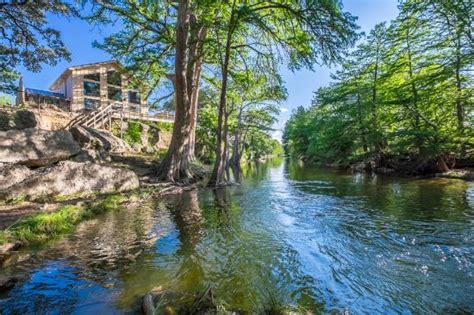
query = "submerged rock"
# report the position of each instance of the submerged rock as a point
(160, 301)
(36, 147)
(68, 178)
(7, 283)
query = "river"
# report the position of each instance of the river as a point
(289, 235)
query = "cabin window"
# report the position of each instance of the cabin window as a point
(90, 103)
(91, 89)
(134, 97)
(114, 93)
(93, 76)
(114, 78)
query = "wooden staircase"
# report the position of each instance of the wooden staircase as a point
(99, 118)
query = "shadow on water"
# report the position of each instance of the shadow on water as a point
(288, 235)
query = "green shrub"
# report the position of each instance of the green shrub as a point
(133, 133)
(164, 126)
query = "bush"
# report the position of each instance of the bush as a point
(133, 133)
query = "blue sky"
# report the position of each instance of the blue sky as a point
(78, 37)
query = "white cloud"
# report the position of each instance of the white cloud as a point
(283, 109)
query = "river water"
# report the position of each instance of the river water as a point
(290, 235)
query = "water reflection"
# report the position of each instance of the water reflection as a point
(288, 235)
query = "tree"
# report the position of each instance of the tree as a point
(27, 39)
(401, 100)
(251, 113)
(157, 38)
(299, 31)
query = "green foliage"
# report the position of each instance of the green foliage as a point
(6, 100)
(206, 132)
(252, 109)
(163, 126)
(405, 93)
(27, 40)
(277, 148)
(132, 134)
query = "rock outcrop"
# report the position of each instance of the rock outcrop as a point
(89, 155)
(45, 118)
(20, 119)
(72, 178)
(99, 140)
(36, 147)
(13, 174)
(159, 139)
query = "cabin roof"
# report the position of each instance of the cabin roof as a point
(68, 70)
(44, 93)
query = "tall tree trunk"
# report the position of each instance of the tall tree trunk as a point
(190, 36)
(460, 114)
(361, 124)
(175, 165)
(379, 144)
(236, 155)
(218, 172)
(226, 146)
(195, 60)
(419, 141)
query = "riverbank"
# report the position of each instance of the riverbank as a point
(32, 223)
(51, 180)
(398, 168)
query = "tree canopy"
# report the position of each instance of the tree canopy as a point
(405, 94)
(28, 40)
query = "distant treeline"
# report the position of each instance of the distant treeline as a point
(402, 100)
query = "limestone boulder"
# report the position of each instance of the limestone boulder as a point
(89, 155)
(36, 147)
(45, 118)
(13, 174)
(72, 178)
(159, 139)
(100, 140)
(20, 119)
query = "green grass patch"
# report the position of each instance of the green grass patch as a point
(45, 226)
(17, 200)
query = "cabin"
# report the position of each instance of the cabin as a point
(92, 87)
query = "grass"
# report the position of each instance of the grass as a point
(45, 226)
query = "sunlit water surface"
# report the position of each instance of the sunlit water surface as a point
(315, 239)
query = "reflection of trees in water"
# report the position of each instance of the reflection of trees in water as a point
(258, 170)
(103, 251)
(224, 207)
(110, 242)
(237, 173)
(398, 197)
(118, 238)
(188, 218)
